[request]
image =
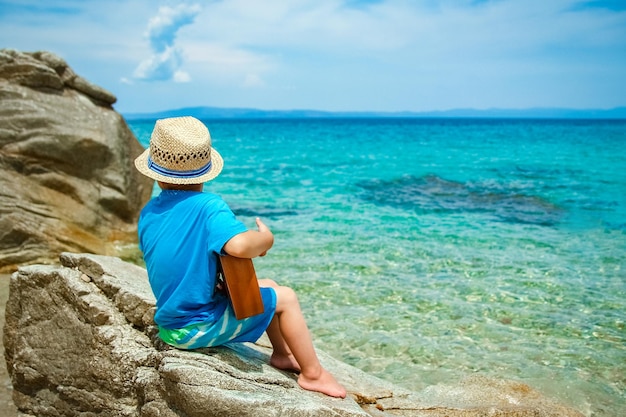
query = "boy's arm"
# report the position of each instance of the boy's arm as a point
(251, 243)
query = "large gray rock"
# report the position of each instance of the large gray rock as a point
(80, 341)
(67, 181)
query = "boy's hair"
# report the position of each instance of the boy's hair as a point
(170, 186)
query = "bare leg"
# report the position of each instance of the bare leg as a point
(282, 358)
(295, 333)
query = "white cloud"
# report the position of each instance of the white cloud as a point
(253, 80)
(163, 27)
(181, 77)
(160, 66)
(167, 58)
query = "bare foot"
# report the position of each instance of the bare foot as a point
(286, 363)
(324, 383)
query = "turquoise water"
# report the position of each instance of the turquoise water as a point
(427, 250)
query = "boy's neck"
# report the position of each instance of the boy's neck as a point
(180, 187)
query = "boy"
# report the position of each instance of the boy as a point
(181, 234)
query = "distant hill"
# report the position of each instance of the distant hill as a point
(248, 113)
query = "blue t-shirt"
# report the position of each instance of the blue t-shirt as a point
(181, 234)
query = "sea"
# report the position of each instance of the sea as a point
(425, 251)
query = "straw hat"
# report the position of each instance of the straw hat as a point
(180, 153)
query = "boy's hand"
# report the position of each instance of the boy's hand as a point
(262, 229)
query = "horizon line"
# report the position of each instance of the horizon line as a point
(250, 112)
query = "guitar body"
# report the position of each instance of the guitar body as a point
(242, 286)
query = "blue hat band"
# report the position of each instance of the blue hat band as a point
(178, 174)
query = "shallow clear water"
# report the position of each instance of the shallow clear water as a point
(426, 250)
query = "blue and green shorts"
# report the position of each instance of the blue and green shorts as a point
(227, 329)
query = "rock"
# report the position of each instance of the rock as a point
(80, 341)
(49, 73)
(67, 181)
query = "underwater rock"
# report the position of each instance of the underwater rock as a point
(434, 194)
(263, 212)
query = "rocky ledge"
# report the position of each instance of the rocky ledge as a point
(80, 341)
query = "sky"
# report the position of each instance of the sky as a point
(334, 55)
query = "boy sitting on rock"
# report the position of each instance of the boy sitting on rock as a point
(184, 230)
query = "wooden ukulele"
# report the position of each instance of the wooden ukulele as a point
(242, 286)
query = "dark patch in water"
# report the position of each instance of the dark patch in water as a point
(263, 212)
(434, 194)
